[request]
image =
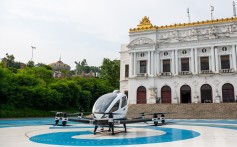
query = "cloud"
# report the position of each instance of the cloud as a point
(88, 29)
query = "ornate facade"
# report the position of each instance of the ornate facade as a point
(181, 63)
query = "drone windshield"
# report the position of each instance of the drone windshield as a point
(104, 101)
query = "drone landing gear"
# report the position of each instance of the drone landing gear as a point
(111, 127)
(125, 128)
(95, 129)
(56, 122)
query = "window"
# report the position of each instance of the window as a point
(224, 49)
(104, 102)
(184, 52)
(204, 50)
(115, 107)
(204, 63)
(166, 65)
(166, 53)
(124, 101)
(142, 55)
(126, 70)
(142, 66)
(225, 62)
(185, 64)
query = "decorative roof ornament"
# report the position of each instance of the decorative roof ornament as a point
(234, 9)
(60, 58)
(145, 23)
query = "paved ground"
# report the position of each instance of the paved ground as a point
(192, 133)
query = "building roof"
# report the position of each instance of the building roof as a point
(146, 25)
(59, 65)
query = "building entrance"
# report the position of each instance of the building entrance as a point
(206, 94)
(166, 95)
(185, 94)
(141, 95)
(228, 93)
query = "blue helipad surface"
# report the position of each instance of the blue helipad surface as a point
(40, 132)
(66, 138)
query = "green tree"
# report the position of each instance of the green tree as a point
(80, 66)
(110, 70)
(5, 84)
(30, 64)
(95, 86)
(11, 64)
(43, 65)
(38, 72)
(70, 93)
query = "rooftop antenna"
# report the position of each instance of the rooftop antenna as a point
(234, 9)
(188, 15)
(212, 9)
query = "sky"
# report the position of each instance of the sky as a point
(88, 29)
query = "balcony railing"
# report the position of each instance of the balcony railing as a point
(142, 75)
(206, 72)
(185, 73)
(227, 70)
(166, 74)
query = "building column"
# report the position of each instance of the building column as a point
(149, 63)
(135, 64)
(234, 57)
(176, 62)
(172, 56)
(130, 65)
(158, 63)
(196, 61)
(192, 61)
(152, 63)
(213, 58)
(217, 59)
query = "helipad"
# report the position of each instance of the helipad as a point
(193, 133)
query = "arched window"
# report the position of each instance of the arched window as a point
(141, 95)
(228, 93)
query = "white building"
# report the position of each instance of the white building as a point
(181, 63)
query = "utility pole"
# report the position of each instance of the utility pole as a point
(32, 47)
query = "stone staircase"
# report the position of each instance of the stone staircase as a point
(187, 111)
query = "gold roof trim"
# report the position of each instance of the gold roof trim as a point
(145, 24)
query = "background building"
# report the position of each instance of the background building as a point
(181, 63)
(59, 69)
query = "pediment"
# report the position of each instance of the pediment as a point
(141, 41)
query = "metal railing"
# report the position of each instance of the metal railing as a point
(206, 72)
(185, 73)
(166, 74)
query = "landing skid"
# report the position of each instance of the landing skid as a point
(111, 129)
(107, 132)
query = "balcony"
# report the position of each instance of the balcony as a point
(206, 72)
(227, 70)
(185, 73)
(166, 74)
